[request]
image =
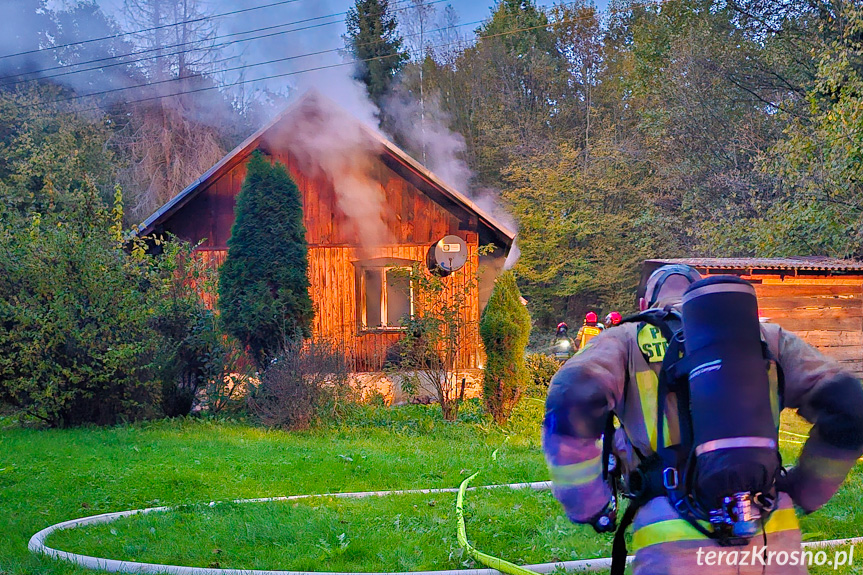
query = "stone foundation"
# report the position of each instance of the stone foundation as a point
(389, 386)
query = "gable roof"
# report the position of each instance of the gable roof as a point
(393, 156)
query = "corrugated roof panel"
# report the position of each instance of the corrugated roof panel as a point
(813, 263)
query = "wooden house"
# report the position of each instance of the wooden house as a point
(369, 210)
(820, 299)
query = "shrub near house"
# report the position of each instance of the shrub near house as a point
(505, 330)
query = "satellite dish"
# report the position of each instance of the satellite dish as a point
(447, 255)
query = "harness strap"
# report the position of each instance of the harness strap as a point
(618, 548)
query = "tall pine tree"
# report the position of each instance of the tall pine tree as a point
(263, 284)
(373, 39)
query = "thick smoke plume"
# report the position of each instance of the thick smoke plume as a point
(328, 141)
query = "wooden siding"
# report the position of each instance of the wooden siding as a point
(413, 222)
(411, 217)
(826, 311)
(333, 291)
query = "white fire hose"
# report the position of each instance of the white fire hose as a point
(37, 543)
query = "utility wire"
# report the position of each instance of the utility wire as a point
(160, 48)
(121, 34)
(274, 61)
(314, 69)
(156, 56)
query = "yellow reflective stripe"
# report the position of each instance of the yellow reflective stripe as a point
(673, 530)
(782, 520)
(664, 532)
(576, 474)
(648, 384)
(648, 387)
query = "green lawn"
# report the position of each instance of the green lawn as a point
(51, 476)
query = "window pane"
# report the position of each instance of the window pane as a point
(373, 297)
(398, 296)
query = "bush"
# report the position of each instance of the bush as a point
(307, 381)
(505, 331)
(75, 343)
(191, 349)
(226, 389)
(263, 284)
(540, 368)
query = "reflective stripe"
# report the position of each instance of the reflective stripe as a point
(648, 384)
(673, 530)
(648, 387)
(586, 333)
(734, 443)
(576, 474)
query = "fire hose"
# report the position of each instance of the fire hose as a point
(496, 565)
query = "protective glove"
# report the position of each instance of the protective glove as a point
(606, 520)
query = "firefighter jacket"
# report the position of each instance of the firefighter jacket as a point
(586, 333)
(617, 371)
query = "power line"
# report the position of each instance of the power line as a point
(149, 50)
(274, 61)
(158, 49)
(121, 34)
(317, 68)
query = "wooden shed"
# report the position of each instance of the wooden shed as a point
(369, 209)
(818, 298)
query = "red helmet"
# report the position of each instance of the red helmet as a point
(614, 318)
(562, 325)
(590, 317)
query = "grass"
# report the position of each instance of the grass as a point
(47, 476)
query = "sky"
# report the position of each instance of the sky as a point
(281, 59)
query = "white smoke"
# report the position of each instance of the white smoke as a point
(423, 126)
(328, 142)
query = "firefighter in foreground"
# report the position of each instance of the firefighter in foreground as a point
(588, 330)
(697, 384)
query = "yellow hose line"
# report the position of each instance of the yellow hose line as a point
(494, 562)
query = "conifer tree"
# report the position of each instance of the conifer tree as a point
(263, 284)
(505, 330)
(373, 39)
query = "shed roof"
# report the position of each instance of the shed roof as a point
(396, 158)
(806, 263)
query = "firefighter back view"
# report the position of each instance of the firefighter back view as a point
(697, 384)
(588, 330)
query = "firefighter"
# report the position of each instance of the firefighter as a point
(588, 330)
(612, 319)
(562, 346)
(616, 375)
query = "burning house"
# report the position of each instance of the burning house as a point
(369, 210)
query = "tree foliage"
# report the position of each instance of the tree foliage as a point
(75, 342)
(374, 41)
(435, 335)
(263, 284)
(505, 331)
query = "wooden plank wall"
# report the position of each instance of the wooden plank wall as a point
(333, 291)
(826, 312)
(413, 222)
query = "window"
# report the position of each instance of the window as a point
(385, 297)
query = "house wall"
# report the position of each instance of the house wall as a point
(413, 222)
(824, 310)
